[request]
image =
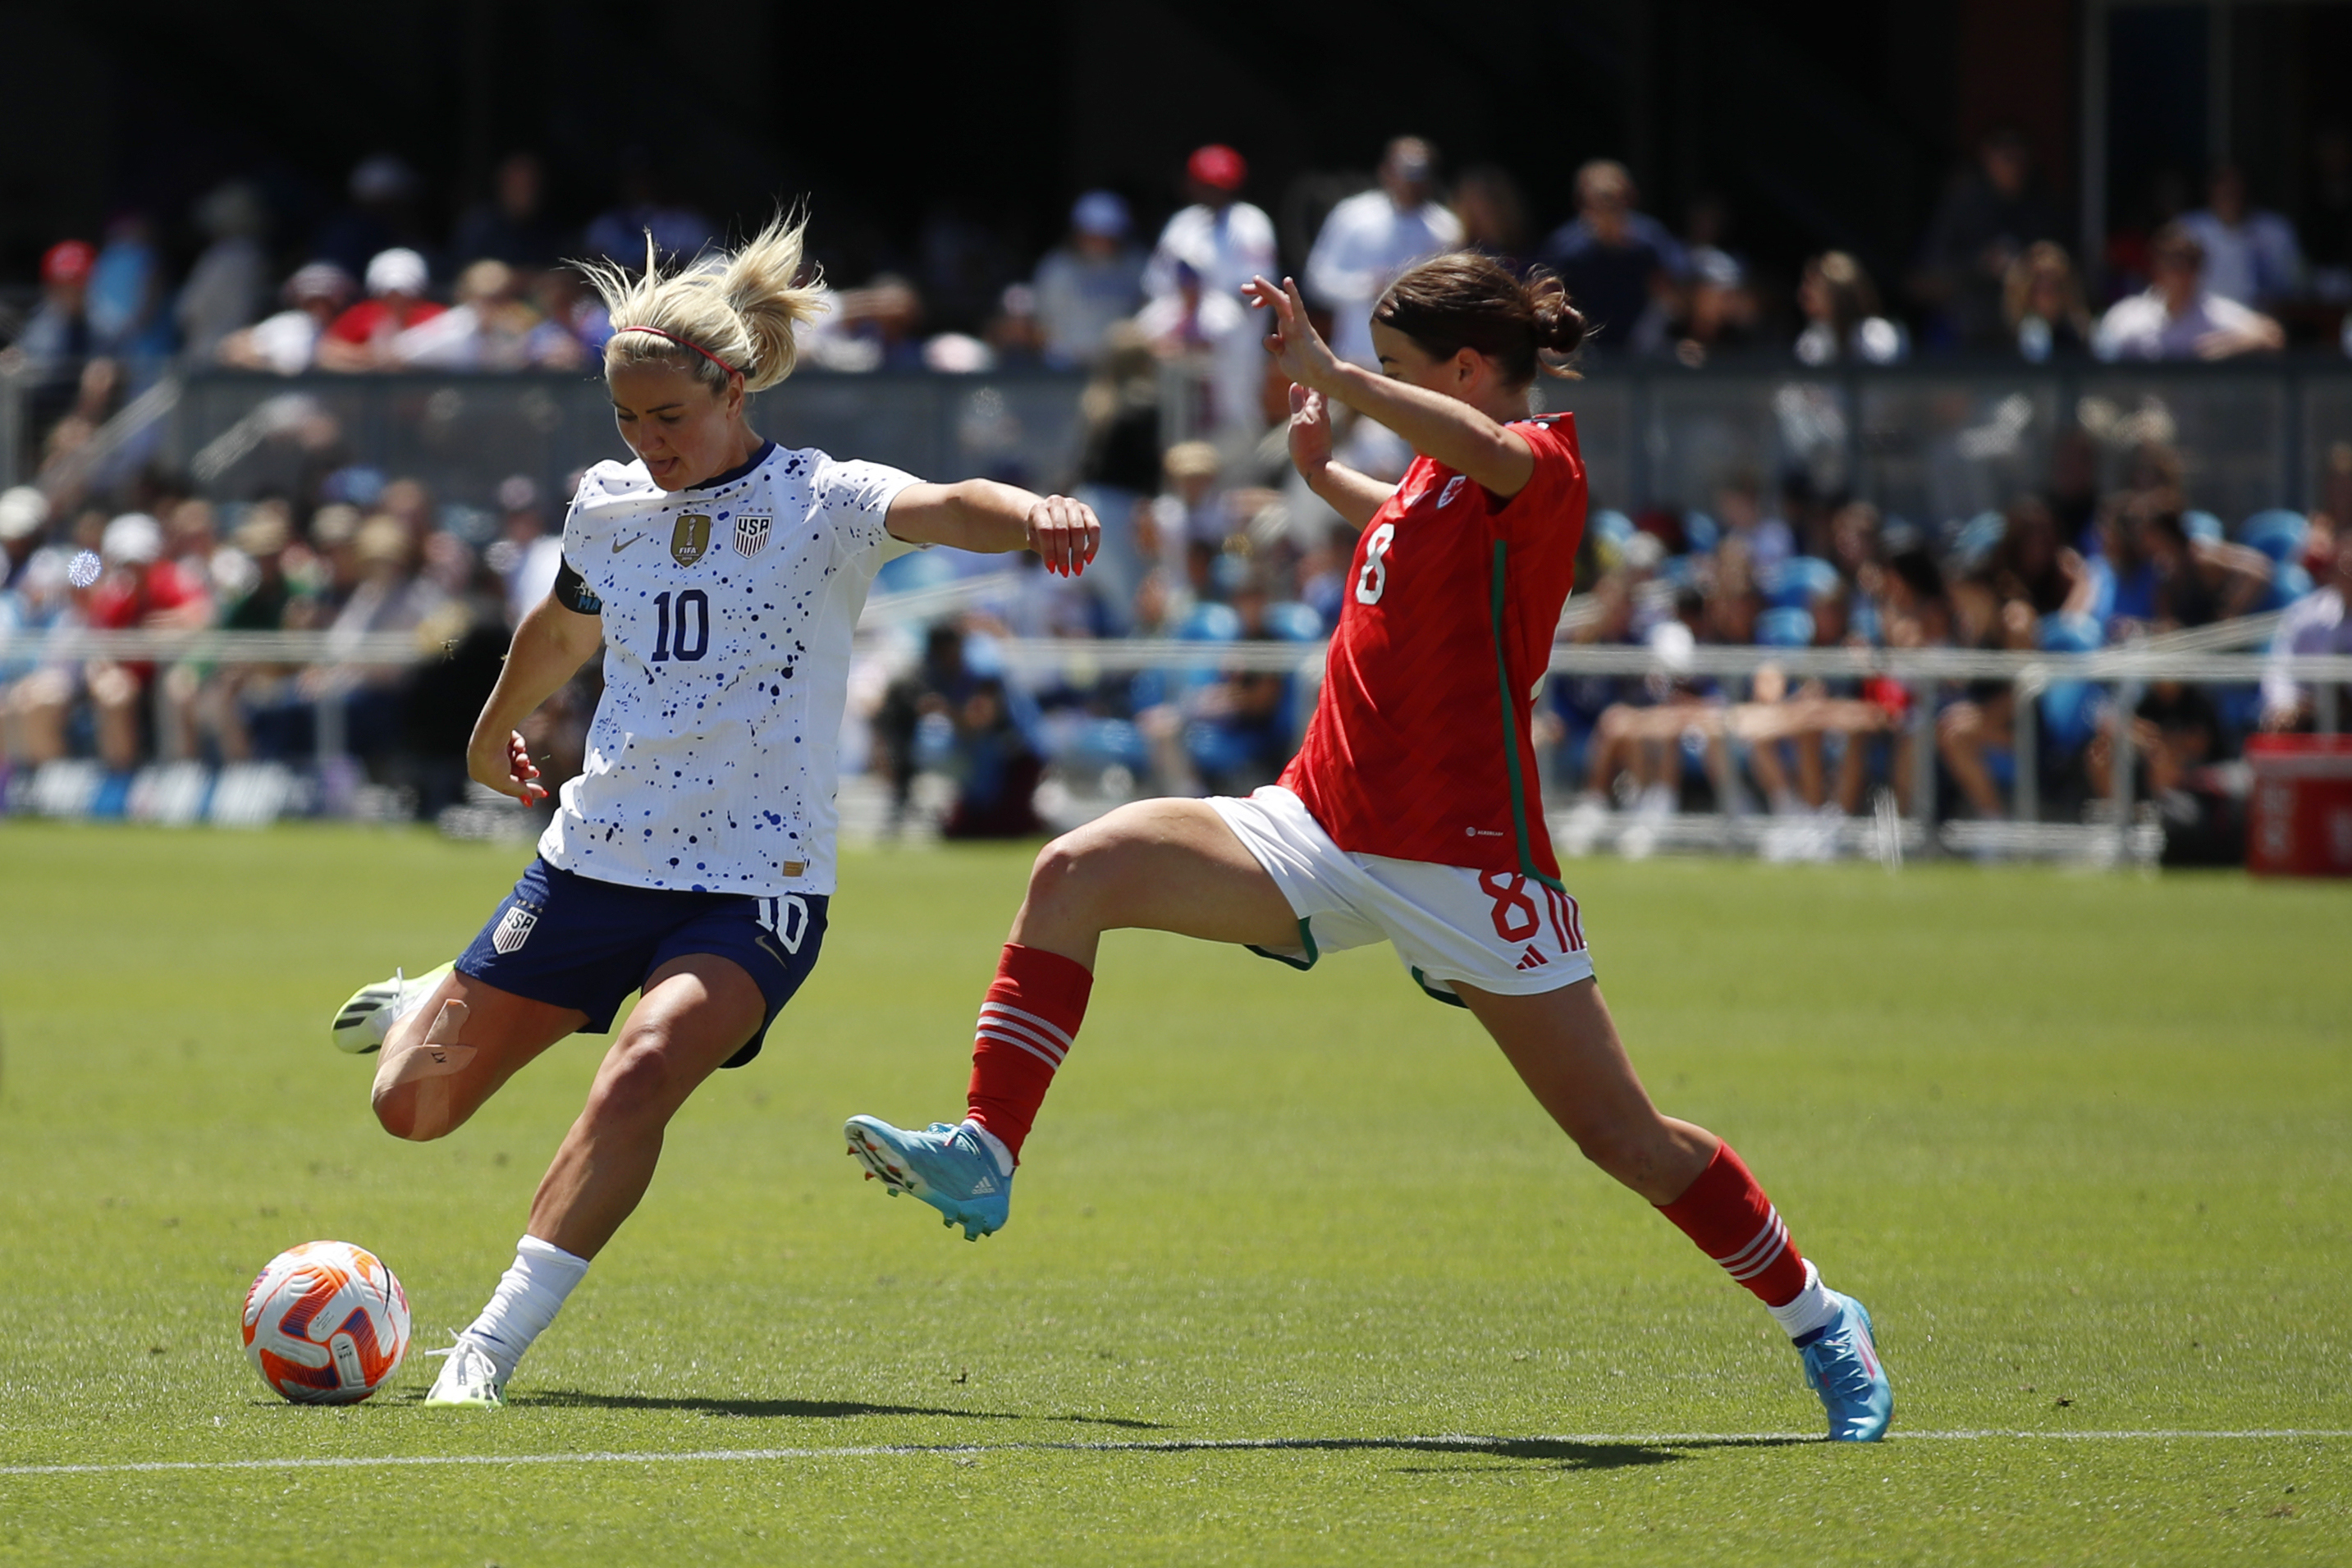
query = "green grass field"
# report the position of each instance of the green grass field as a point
(2082, 1143)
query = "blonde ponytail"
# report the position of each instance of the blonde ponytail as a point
(729, 313)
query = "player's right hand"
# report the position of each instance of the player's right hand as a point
(1310, 430)
(509, 769)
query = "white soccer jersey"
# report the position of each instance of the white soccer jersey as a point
(728, 610)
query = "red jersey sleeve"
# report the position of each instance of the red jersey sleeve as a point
(1547, 505)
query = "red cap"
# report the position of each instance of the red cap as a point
(1217, 166)
(69, 261)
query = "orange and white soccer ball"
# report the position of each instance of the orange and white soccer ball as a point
(326, 1324)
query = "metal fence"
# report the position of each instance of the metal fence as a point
(2211, 656)
(1929, 442)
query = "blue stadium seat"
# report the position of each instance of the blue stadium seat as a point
(1209, 622)
(1700, 534)
(1795, 584)
(2202, 526)
(1785, 626)
(2277, 533)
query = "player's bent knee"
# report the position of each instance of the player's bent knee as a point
(395, 1111)
(638, 1083)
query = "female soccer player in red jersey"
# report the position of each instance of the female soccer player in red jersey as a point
(1410, 813)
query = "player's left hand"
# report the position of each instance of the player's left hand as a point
(1294, 344)
(1065, 534)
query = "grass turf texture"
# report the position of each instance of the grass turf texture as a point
(2080, 1141)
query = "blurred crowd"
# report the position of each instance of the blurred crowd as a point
(369, 563)
(1209, 537)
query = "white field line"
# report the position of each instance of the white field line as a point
(1499, 1446)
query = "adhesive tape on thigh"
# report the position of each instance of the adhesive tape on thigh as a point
(427, 1065)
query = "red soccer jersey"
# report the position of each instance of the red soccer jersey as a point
(1413, 753)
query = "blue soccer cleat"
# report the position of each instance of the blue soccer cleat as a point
(950, 1168)
(1841, 1365)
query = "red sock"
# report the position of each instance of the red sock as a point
(1028, 1022)
(1734, 1224)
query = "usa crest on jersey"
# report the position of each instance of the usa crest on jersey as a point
(752, 530)
(515, 929)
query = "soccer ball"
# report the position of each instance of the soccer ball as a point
(326, 1324)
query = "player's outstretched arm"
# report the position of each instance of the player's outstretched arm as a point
(1434, 424)
(983, 515)
(550, 645)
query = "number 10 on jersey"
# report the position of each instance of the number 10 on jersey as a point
(692, 630)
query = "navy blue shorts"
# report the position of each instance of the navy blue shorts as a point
(573, 942)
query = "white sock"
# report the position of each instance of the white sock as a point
(1811, 1310)
(528, 1296)
(994, 1146)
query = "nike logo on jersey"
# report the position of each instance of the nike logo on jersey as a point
(620, 545)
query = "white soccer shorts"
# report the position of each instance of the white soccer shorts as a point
(1496, 931)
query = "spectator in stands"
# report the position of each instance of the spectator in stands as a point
(618, 232)
(229, 282)
(1371, 238)
(512, 225)
(222, 706)
(2030, 575)
(58, 330)
(24, 517)
(995, 767)
(572, 325)
(1990, 216)
(1190, 509)
(910, 727)
(1494, 215)
(36, 696)
(391, 596)
(1842, 325)
(287, 342)
(1224, 240)
(2041, 302)
(125, 302)
(2251, 256)
(381, 216)
(488, 329)
(1213, 332)
(526, 557)
(2314, 624)
(1718, 311)
(1619, 263)
(362, 336)
(140, 590)
(2179, 318)
(2175, 729)
(2195, 581)
(1091, 280)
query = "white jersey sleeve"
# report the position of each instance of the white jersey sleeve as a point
(854, 498)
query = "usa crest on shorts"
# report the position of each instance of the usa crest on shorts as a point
(514, 930)
(752, 533)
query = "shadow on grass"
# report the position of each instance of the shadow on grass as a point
(1551, 1453)
(774, 1409)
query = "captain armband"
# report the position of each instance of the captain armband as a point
(573, 592)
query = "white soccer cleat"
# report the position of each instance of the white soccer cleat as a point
(469, 1378)
(362, 1023)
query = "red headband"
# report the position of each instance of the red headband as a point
(687, 343)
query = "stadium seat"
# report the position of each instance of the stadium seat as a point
(1795, 584)
(2202, 526)
(1209, 622)
(2277, 533)
(1785, 626)
(1700, 534)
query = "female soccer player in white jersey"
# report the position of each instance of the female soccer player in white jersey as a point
(693, 858)
(1409, 813)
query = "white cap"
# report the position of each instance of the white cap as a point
(23, 510)
(397, 271)
(133, 537)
